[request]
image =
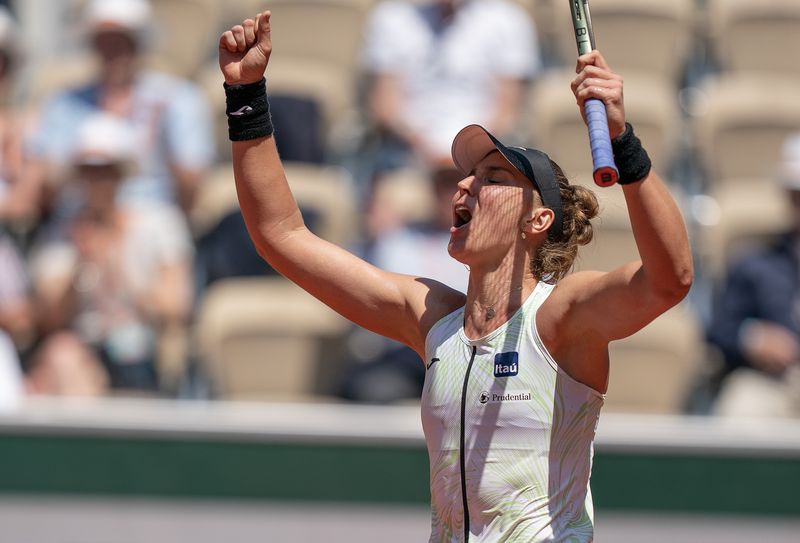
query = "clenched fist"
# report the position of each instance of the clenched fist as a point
(244, 50)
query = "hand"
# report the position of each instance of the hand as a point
(596, 80)
(770, 347)
(244, 50)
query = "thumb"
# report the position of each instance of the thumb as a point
(263, 31)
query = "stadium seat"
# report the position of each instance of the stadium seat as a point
(557, 127)
(407, 193)
(613, 243)
(324, 34)
(325, 191)
(648, 36)
(216, 198)
(744, 213)
(266, 339)
(328, 193)
(652, 370)
(756, 37)
(740, 129)
(185, 35)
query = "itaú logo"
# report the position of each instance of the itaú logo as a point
(506, 364)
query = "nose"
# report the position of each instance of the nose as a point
(465, 185)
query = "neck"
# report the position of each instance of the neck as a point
(495, 293)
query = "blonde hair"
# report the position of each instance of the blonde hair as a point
(554, 259)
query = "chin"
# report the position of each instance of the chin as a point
(459, 253)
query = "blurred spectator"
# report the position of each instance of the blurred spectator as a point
(756, 323)
(169, 116)
(17, 202)
(439, 65)
(16, 311)
(110, 277)
(387, 370)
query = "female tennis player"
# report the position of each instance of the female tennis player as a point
(517, 367)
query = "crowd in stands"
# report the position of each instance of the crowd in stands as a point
(119, 217)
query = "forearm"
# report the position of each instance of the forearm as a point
(661, 237)
(269, 209)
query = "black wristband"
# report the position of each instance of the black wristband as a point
(248, 111)
(630, 157)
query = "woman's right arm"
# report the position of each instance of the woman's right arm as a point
(396, 306)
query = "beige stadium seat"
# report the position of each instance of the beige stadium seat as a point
(555, 124)
(326, 31)
(185, 34)
(266, 339)
(325, 191)
(757, 37)
(407, 194)
(649, 36)
(741, 128)
(739, 216)
(613, 243)
(216, 198)
(652, 370)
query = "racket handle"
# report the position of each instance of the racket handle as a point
(605, 171)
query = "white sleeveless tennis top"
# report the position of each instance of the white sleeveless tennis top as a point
(509, 435)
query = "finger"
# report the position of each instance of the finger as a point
(249, 32)
(263, 30)
(597, 82)
(227, 41)
(606, 95)
(592, 58)
(238, 35)
(591, 82)
(596, 71)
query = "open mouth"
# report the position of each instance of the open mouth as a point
(462, 216)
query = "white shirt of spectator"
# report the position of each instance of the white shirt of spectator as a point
(449, 77)
(11, 387)
(157, 236)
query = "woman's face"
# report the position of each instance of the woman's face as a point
(490, 210)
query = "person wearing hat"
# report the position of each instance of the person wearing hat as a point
(168, 115)
(516, 367)
(109, 277)
(756, 319)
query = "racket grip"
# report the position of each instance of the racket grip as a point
(605, 171)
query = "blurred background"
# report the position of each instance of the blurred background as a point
(159, 382)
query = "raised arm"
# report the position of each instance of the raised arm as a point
(396, 306)
(606, 306)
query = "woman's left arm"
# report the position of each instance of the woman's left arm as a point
(616, 304)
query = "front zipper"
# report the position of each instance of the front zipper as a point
(462, 452)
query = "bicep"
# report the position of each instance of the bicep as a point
(612, 305)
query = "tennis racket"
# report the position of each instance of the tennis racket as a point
(605, 172)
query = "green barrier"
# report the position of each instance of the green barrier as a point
(263, 470)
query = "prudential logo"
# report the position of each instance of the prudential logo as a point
(506, 364)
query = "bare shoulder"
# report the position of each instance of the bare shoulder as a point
(557, 318)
